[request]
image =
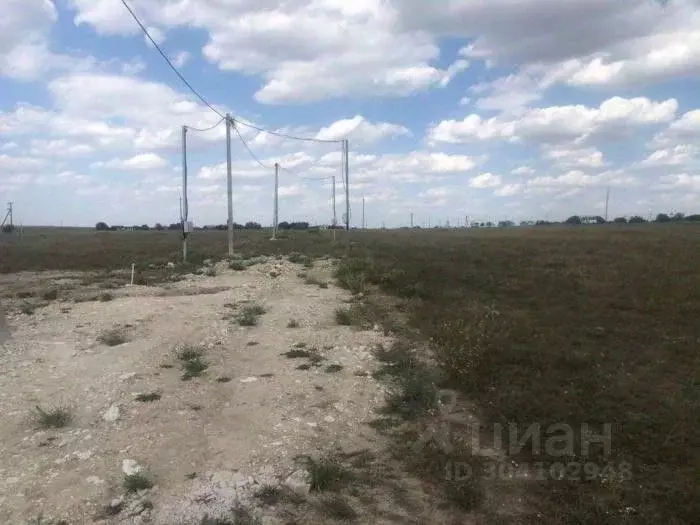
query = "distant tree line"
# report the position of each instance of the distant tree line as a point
(103, 226)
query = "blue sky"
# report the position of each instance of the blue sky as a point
(493, 110)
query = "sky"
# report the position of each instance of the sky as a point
(453, 109)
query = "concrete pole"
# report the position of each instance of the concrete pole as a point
(183, 205)
(347, 187)
(335, 219)
(363, 213)
(275, 216)
(229, 184)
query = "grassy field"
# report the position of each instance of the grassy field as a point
(559, 325)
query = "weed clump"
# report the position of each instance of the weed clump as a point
(135, 482)
(148, 397)
(293, 323)
(249, 315)
(54, 417)
(113, 337)
(191, 362)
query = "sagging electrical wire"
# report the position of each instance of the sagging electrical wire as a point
(206, 129)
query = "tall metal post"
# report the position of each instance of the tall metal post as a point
(183, 205)
(363, 213)
(335, 219)
(275, 216)
(411, 219)
(229, 184)
(347, 186)
(607, 200)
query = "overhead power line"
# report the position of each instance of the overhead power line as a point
(204, 101)
(287, 135)
(165, 57)
(245, 144)
(207, 129)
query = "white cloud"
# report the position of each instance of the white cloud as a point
(142, 161)
(680, 182)
(523, 170)
(485, 180)
(681, 154)
(508, 190)
(294, 45)
(580, 178)
(556, 124)
(358, 129)
(181, 58)
(578, 157)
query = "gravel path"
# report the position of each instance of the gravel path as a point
(207, 443)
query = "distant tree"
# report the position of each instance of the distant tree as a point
(8, 228)
(662, 217)
(574, 219)
(694, 217)
(145, 227)
(620, 220)
(489, 224)
(600, 220)
(678, 217)
(102, 226)
(252, 225)
(175, 226)
(637, 220)
(158, 226)
(505, 224)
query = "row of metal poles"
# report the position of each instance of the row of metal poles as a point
(186, 226)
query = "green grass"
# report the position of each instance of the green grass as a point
(343, 317)
(113, 337)
(191, 361)
(135, 482)
(237, 266)
(50, 295)
(148, 397)
(190, 352)
(327, 473)
(546, 324)
(248, 316)
(27, 308)
(53, 417)
(297, 353)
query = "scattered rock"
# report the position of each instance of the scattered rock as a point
(112, 413)
(84, 455)
(127, 377)
(115, 506)
(131, 467)
(329, 419)
(250, 379)
(171, 265)
(299, 482)
(94, 480)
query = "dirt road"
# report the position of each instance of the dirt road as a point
(210, 444)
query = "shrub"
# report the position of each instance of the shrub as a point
(54, 417)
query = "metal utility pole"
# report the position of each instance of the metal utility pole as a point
(347, 185)
(183, 199)
(411, 219)
(229, 184)
(335, 219)
(607, 200)
(363, 213)
(274, 213)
